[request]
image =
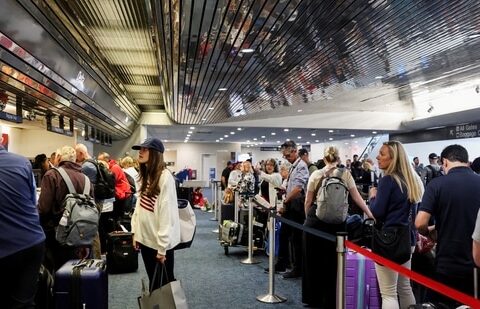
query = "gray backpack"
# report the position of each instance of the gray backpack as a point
(332, 198)
(78, 225)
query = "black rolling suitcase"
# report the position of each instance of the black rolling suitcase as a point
(81, 284)
(121, 255)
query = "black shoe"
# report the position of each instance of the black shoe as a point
(278, 269)
(292, 274)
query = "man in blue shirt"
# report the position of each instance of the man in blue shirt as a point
(22, 241)
(293, 209)
(453, 201)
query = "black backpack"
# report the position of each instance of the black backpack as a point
(131, 182)
(105, 185)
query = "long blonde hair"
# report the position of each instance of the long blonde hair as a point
(402, 171)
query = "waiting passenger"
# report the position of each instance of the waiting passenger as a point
(270, 179)
(394, 204)
(22, 241)
(155, 221)
(453, 201)
(293, 210)
(320, 256)
(41, 162)
(54, 190)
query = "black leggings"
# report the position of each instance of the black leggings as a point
(149, 259)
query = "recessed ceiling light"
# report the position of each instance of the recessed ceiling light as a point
(374, 132)
(222, 89)
(190, 132)
(247, 50)
(313, 134)
(316, 141)
(239, 129)
(308, 142)
(287, 139)
(263, 136)
(378, 77)
(346, 143)
(221, 138)
(192, 128)
(248, 141)
(352, 135)
(204, 119)
(299, 137)
(233, 133)
(330, 138)
(473, 36)
(217, 140)
(210, 108)
(255, 139)
(188, 135)
(278, 142)
(273, 133)
(330, 131)
(226, 135)
(286, 130)
(261, 143)
(300, 110)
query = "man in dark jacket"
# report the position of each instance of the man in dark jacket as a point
(22, 241)
(53, 192)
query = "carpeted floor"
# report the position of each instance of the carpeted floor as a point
(210, 278)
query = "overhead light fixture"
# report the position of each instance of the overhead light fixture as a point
(190, 132)
(226, 135)
(378, 77)
(300, 110)
(263, 136)
(222, 89)
(287, 139)
(330, 131)
(247, 50)
(374, 132)
(217, 141)
(166, 140)
(126, 119)
(273, 133)
(239, 129)
(352, 135)
(346, 143)
(255, 139)
(210, 108)
(313, 134)
(278, 142)
(308, 142)
(221, 138)
(316, 141)
(474, 36)
(83, 132)
(188, 135)
(299, 137)
(204, 119)
(232, 133)
(286, 130)
(192, 128)
(330, 138)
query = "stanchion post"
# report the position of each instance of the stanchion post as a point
(341, 270)
(217, 230)
(236, 202)
(214, 198)
(271, 298)
(250, 259)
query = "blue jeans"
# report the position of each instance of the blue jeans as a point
(19, 277)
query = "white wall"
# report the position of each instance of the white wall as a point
(30, 142)
(422, 150)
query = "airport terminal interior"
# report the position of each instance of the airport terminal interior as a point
(221, 81)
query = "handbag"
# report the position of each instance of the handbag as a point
(168, 296)
(228, 196)
(392, 243)
(188, 224)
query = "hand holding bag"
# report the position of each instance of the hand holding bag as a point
(392, 243)
(169, 296)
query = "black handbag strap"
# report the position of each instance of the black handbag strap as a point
(164, 270)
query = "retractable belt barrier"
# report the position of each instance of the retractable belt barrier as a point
(423, 280)
(432, 284)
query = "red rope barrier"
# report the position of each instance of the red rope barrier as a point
(434, 285)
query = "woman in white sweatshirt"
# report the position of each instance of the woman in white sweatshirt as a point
(155, 221)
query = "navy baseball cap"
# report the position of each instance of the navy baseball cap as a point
(151, 143)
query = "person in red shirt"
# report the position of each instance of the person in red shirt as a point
(199, 201)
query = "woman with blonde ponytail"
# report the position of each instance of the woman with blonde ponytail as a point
(393, 203)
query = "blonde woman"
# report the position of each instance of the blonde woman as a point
(318, 284)
(155, 222)
(393, 204)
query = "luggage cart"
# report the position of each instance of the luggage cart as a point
(234, 233)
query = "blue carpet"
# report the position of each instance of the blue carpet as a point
(210, 278)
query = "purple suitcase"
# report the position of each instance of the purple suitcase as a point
(91, 287)
(361, 286)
